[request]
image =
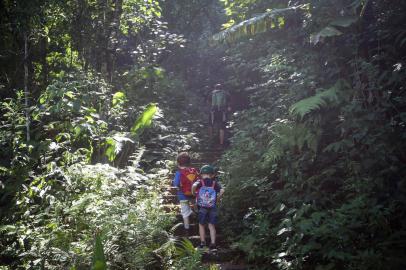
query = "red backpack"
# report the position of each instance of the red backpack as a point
(187, 177)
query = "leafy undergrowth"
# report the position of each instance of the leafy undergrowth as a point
(61, 211)
(315, 171)
(61, 216)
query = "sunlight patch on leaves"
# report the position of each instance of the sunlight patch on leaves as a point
(115, 145)
(144, 120)
(118, 99)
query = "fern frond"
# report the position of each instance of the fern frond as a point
(255, 25)
(315, 102)
(275, 151)
(185, 248)
(288, 135)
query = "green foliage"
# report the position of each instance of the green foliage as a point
(138, 14)
(114, 145)
(258, 24)
(61, 213)
(77, 105)
(320, 143)
(320, 100)
(99, 260)
(118, 99)
(187, 257)
(79, 56)
(144, 120)
(331, 30)
(287, 136)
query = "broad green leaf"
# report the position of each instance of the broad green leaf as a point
(328, 31)
(344, 21)
(111, 149)
(43, 99)
(118, 98)
(115, 145)
(70, 94)
(144, 120)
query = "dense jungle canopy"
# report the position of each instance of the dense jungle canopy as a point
(97, 97)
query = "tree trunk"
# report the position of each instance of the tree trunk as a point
(26, 93)
(113, 39)
(44, 52)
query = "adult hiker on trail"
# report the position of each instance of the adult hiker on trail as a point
(218, 113)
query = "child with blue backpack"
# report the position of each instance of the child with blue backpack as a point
(209, 191)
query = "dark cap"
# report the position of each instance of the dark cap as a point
(207, 169)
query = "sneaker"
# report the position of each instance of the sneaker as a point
(212, 247)
(202, 245)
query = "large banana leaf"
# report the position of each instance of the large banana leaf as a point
(255, 25)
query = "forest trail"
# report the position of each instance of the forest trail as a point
(225, 258)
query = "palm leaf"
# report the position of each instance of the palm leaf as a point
(255, 25)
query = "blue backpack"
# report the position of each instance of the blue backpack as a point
(207, 196)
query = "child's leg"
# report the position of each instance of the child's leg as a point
(202, 221)
(212, 215)
(202, 233)
(186, 223)
(185, 212)
(212, 230)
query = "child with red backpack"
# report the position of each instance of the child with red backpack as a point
(185, 176)
(209, 191)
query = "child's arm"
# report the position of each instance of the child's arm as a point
(176, 180)
(219, 190)
(195, 186)
(220, 193)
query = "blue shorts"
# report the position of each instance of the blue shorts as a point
(207, 215)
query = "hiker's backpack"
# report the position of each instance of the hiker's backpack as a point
(187, 177)
(218, 99)
(207, 195)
